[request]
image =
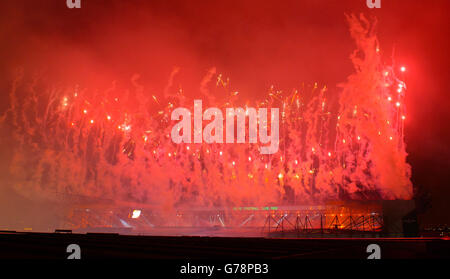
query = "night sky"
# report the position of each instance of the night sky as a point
(255, 43)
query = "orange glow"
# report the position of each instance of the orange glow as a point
(139, 150)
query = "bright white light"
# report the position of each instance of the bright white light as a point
(136, 214)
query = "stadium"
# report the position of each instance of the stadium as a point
(163, 125)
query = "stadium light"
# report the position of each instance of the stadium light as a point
(136, 214)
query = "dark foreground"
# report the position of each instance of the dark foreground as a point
(110, 246)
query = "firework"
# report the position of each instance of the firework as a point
(345, 143)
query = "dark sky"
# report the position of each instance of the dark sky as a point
(255, 43)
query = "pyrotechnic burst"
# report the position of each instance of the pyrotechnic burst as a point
(117, 145)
